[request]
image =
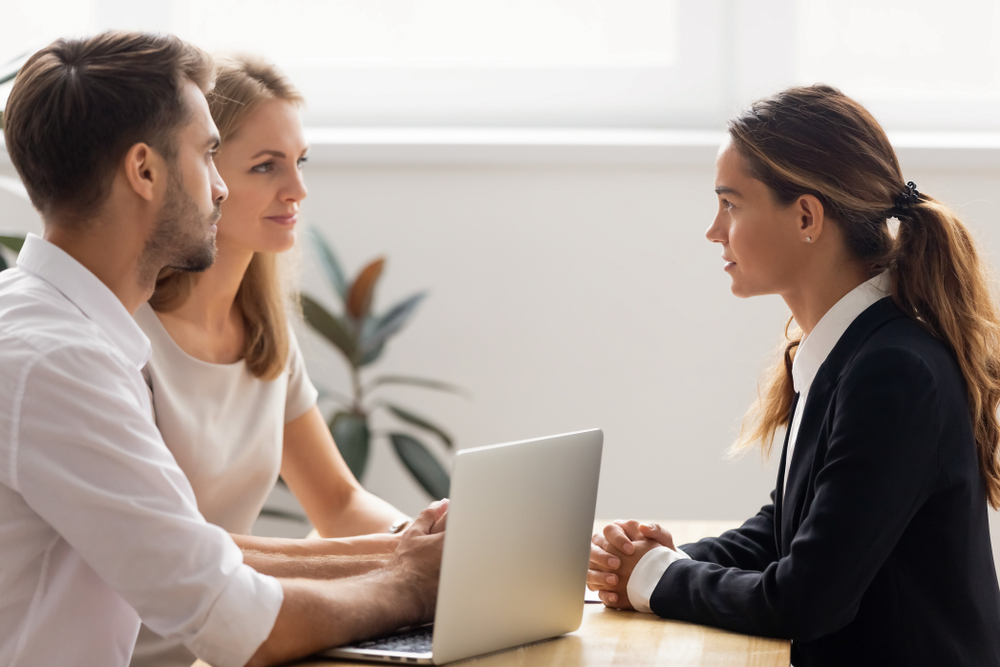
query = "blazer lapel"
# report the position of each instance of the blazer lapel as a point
(796, 494)
(779, 491)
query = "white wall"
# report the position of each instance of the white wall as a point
(565, 297)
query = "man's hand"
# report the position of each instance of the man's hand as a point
(416, 564)
(609, 551)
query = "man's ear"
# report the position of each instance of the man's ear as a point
(811, 218)
(145, 170)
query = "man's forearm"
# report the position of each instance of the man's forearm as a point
(319, 614)
(315, 566)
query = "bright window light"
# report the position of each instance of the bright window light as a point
(920, 65)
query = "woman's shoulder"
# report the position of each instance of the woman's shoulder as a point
(903, 353)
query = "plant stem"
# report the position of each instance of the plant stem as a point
(359, 392)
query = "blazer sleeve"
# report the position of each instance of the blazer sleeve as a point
(752, 546)
(878, 466)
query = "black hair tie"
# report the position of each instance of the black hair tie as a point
(905, 200)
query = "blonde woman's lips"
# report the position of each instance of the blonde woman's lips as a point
(284, 219)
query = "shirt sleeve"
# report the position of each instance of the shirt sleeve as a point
(647, 573)
(302, 394)
(90, 462)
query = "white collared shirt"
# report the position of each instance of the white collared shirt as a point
(818, 345)
(98, 525)
(811, 354)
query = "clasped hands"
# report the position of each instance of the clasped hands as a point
(614, 555)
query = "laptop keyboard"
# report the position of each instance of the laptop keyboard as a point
(418, 641)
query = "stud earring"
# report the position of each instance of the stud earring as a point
(809, 239)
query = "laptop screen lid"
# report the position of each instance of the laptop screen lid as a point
(517, 544)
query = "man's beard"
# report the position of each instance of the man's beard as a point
(180, 239)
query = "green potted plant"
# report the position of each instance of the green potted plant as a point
(360, 335)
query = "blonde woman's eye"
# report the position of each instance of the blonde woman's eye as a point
(302, 161)
(263, 167)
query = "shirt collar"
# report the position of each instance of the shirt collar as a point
(86, 291)
(816, 347)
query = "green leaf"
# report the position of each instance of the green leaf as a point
(350, 432)
(416, 382)
(420, 422)
(389, 323)
(330, 327)
(12, 242)
(371, 356)
(330, 264)
(422, 464)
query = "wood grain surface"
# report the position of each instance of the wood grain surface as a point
(609, 638)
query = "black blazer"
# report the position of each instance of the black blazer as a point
(879, 552)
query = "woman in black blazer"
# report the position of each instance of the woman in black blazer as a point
(875, 548)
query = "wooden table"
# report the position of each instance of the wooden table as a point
(622, 638)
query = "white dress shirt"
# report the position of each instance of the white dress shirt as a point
(812, 352)
(98, 525)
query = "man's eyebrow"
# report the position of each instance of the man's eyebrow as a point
(277, 154)
(726, 190)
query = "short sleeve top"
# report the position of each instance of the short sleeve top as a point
(223, 424)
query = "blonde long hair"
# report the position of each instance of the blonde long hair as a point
(816, 140)
(242, 84)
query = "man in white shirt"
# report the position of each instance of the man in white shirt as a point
(99, 527)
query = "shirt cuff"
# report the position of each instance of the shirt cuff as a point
(240, 620)
(647, 574)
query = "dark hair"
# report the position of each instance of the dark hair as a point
(78, 105)
(815, 140)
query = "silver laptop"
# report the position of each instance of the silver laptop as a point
(515, 551)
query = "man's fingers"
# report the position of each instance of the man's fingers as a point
(656, 533)
(442, 517)
(425, 520)
(616, 536)
(440, 524)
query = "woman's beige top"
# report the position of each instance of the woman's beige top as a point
(225, 428)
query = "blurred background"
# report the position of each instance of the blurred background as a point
(544, 168)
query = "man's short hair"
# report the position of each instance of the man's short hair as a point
(78, 106)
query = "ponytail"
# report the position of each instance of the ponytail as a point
(939, 280)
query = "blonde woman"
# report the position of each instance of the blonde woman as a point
(230, 390)
(875, 547)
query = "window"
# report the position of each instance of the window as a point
(578, 63)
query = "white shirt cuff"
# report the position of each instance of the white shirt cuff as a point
(647, 574)
(240, 620)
